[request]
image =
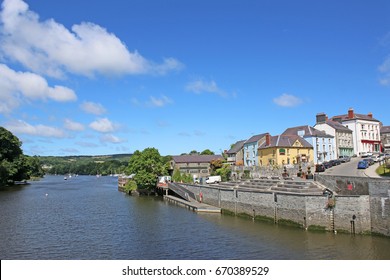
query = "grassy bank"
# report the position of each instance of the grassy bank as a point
(383, 171)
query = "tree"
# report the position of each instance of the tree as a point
(13, 165)
(207, 152)
(225, 172)
(147, 166)
(215, 164)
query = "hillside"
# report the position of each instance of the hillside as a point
(85, 165)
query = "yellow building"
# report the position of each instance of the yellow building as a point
(285, 149)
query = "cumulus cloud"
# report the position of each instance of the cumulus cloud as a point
(74, 126)
(93, 108)
(22, 127)
(103, 125)
(18, 86)
(201, 86)
(49, 48)
(287, 100)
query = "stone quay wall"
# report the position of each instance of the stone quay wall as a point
(358, 213)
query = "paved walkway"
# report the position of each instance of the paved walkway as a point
(193, 204)
(370, 171)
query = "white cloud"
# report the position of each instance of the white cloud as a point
(93, 108)
(385, 70)
(49, 48)
(201, 86)
(109, 138)
(74, 126)
(18, 86)
(159, 102)
(287, 100)
(21, 127)
(103, 125)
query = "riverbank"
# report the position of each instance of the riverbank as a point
(361, 207)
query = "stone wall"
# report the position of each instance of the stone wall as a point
(380, 207)
(369, 212)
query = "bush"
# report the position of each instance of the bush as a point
(130, 186)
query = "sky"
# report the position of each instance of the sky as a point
(95, 77)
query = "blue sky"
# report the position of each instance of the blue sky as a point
(96, 77)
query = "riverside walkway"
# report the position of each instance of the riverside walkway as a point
(192, 204)
(186, 198)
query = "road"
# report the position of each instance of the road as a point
(350, 169)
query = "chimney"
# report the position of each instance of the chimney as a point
(267, 139)
(321, 118)
(370, 115)
(350, 113)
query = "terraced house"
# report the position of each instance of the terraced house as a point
(235, 156)
(365, 131)
(284, 150)
(323, 144)
(250, 148)
(343, 135)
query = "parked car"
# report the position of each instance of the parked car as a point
(363, 164)
(327, 164)
(344, 158)
(369, 160)
(334, 162)
(320, 167)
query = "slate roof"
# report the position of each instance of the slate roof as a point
(338, 126)
(345, 117)
(236, 147)
(284, 140)
(308, 131)
(255, 138)
(196, 158)
(385, 129)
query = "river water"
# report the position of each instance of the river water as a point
(85, 217)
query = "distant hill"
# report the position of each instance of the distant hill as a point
(85, 165)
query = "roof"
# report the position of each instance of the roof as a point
(341, 118)
(338, 126)
(236, 147)
(308, 131)
(255, 138)
(196, 158)
(285, 141)
(385, 129)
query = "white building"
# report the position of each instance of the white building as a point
(365, 131)
(343, 135)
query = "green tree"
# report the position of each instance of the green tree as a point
(34, 167)
(207, 152)
(214, 165)
(147, 166)
(13, 166)
(225, 172)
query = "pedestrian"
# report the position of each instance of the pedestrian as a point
(200, 197)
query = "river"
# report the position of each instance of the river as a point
(85, 217)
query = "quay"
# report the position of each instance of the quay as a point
(192, 205)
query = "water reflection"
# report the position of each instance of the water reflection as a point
(87, 218)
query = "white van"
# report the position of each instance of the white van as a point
(213, 179)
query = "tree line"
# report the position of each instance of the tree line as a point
(145, 165)
(14, 165)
